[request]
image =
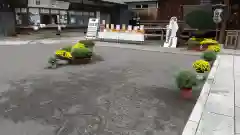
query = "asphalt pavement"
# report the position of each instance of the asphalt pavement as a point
(128, 92)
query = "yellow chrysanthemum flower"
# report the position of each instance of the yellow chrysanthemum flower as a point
(201, 66)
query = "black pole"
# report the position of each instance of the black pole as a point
(216, 37)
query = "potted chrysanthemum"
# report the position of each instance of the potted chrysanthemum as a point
(216, 48)
(185, 81)
(209, 56)
(201, 66)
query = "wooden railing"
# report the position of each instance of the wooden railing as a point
(156, 31)
(232, 39)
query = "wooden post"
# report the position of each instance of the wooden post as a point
(224, 23)
(216, 38)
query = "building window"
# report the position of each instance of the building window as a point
(17, 10)
(138, 6)
(37, 2)
(78, 18)
(91, 14)
(18, 19)
(53, 11)
(63, 17)
(46, 17)
(86, 13)
(79, 13)
(144, 6)
(72, 20)
(44, 11)
(34, 17)
(23, 10)
(80, 22)
(21, 16)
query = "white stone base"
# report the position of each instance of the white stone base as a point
(121, 36)
(172, 41)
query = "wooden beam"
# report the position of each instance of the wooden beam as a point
(224, 23)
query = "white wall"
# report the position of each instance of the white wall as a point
(49, 4)
(150, 4)
(90, 2)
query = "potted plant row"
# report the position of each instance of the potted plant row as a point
(186, 80)
(200, 44)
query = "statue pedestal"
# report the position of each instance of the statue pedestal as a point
(172, 43)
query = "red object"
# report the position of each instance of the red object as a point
(198, 48)
(186, 93)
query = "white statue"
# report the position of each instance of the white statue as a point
(172, 28)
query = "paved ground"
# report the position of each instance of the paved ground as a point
(220, 113)
(131, 92)
(43, 37)
(43, 34)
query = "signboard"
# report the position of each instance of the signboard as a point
(112, 26)
(93, 25)
(217, 15)
(107, 26)
(135, 28)
(117, 27)
(129, 27)
(123, 27)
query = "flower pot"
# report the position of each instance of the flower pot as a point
(200, 76)
(198, 48)
(186, 93)
(204, 47)
(211, 63)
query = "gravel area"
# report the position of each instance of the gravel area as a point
(130, 92)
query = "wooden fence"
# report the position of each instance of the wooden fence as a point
(232, 39)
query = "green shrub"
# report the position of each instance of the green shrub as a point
(186, 79)
(81, 53)
(198, 34)
(200, 19)
(209, 56)
(203, 34)
(87, 43)
(67, 48)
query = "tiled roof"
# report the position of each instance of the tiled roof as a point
(126, 1)
(137, 0)
(115, 1)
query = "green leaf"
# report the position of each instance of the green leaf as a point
(200, 19)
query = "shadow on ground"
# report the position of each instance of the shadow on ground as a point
(89, 105)
(130, 96)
